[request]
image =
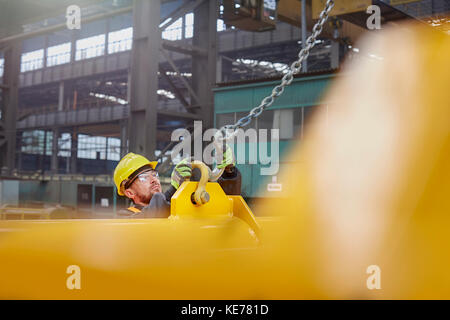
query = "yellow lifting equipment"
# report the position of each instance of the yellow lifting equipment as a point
(203, 221)
(205, 199)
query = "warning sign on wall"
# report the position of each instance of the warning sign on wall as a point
(274, 186)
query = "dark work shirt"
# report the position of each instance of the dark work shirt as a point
(159, 207)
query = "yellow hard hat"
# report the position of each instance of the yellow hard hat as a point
(128, 165)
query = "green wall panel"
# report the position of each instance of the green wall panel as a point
(303, 92)
(9, 192)
(31, 191)
(254, 183)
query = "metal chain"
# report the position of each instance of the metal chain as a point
(229, 131)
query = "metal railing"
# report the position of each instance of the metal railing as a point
(120, 45)
(31, 65)
(58, 59)
(23, 213)
(90, 52)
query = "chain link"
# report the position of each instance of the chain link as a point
(229, 131)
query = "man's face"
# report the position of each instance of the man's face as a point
(144, 187)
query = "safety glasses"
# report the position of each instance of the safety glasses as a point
(144, 176)
(147, 176)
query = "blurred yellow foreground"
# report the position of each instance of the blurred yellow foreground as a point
(372, 192)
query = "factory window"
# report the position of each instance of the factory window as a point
(283, 119)
(231, 118)
(120, 40)
(288, 121)
(64, 145)
(97, 147)
(223, 119)
(113, 149)
(33, 141)
(32, 60)
(91, 147)
(174, 31)
(58, 54)
(265, 121)
(297, 122)
(49, 145)
(90, 47)
(189, 25)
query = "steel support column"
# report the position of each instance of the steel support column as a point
(73, 40)
(204, 67)
(219, 71)
(41, 157)
(61, 96)
(9, 106)
(144, 77)
(123, 139)
(334, 55)
(54, 160)
(74, 151)
(304, 34)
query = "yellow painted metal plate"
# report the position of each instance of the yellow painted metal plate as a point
(397, 2)
(289, 11)
(219, 204)
(120, 259)
(340, 7)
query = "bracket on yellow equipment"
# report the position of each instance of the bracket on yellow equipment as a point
(217, 205)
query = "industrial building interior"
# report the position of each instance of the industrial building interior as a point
(347, 199)
(74, 101)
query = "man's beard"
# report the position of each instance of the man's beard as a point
(148, 195)
(146, 198)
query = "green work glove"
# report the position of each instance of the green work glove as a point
(228, 158)
(181, 172)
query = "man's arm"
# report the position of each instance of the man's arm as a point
(181, 172)
(158, 207)
(169, 193)
(230, 181)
